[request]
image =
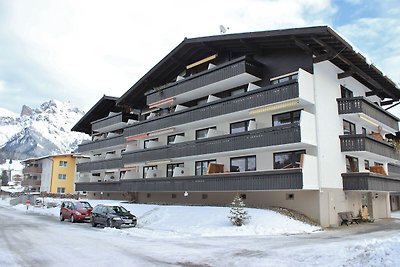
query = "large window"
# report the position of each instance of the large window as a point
(348, 127)
(147, 142)
(62, 176)
(243, 164)
(288, 160)
(351, 164)
(61, 190)
(202, 166)
(285, 78)
(201, 134)
(345, 93)
(171, 138)
(171, 167)
(286, 118)
(242, 126)
(147, 168)
(63, 163)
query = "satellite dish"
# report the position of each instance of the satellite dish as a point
(222, 29)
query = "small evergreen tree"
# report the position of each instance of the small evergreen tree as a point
(238, 215)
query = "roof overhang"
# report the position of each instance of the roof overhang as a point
(320, 42)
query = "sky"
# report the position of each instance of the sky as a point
(77, 51)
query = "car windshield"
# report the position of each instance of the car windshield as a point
(79, 205)
(117, 209)
(86, 205)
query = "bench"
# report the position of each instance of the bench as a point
(348, 217)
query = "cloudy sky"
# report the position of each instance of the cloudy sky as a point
(79, 50)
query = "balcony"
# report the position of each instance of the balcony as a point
(31, 169)
(286, 134)
(234, 73)
(101, 144)
(370, 181)
(252, 99)
(373, 113)
(364, 143)
(112, 122)
(289, 179)
(110, 164)
(31, 182)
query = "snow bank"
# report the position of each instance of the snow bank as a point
(194, 220)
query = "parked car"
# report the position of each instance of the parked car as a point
(112, 216)
(75, 211)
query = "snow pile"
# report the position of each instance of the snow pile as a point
(195, 220)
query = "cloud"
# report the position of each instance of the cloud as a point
(68, 52)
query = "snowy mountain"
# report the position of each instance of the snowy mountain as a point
(39, 132)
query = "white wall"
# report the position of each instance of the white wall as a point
(46, 175)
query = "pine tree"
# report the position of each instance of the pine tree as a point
(238, 215)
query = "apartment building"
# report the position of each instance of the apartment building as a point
(292, 118)
(51, 174)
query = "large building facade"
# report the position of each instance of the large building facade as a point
(51, 174)
(292, 118)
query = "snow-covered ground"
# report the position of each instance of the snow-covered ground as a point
(199, 236)
(195, 220)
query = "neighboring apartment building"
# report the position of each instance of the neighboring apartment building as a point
(52, 174)
(291, 118)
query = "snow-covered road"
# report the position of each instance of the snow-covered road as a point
(28, 239)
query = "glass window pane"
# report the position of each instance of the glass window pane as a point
(251, 163)
(238, 127)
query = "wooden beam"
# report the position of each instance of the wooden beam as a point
(251, 46)
(371, 93)
(345, 74)
(304, 46)
(388, 102)
(204, 60)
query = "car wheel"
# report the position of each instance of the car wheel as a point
(93, 223)
(61, 217)
(109, 223)
(72, 219)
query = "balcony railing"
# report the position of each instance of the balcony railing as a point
(370, 181)
(272, 136)
(102, 143)
(288, 179)
(28, 170)
(219, 73)
(31, 182)
(365, 106)
(109, 164)
(112, 122)
(262, 96)
(360, 142)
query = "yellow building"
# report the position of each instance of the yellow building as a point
(57, 172)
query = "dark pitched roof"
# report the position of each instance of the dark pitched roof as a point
(320, 41)
(101, 109)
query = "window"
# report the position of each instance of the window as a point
(351, 164)
(173, 196)
(147, 168)
(378, 164)
(288, 160)
(148, 195)
(61, 190)
(202, 101)
(204, 196)
(366, 164)
(239, 127)
(284, 79)
(364, 131)
(286, 118)
(202, 133)
(345, 93)
(62, 176)
(147, 142)
(171, 167)
(202, 166)
(348, 127)
(243, 164)
(63, 163)
(171, 138)
(238, 91)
